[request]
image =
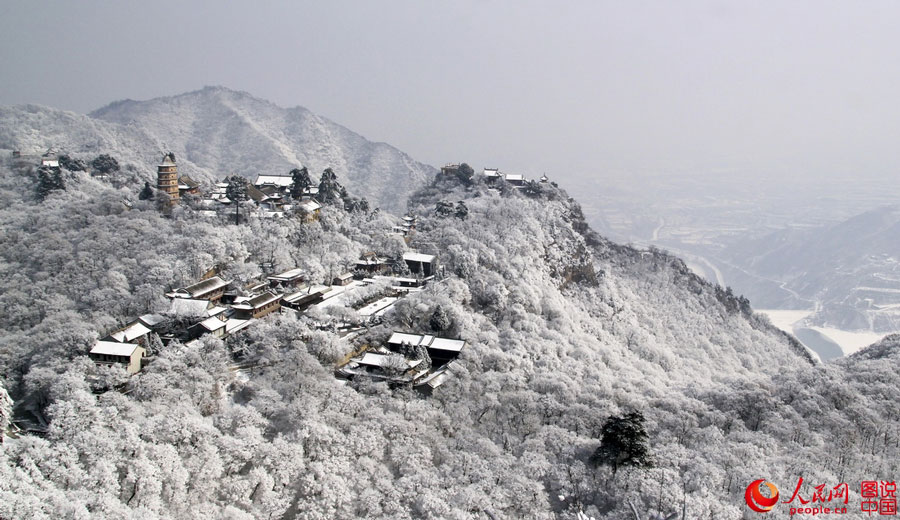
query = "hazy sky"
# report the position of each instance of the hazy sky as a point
(570, 88)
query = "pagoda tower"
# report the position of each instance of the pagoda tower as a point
(167, 177)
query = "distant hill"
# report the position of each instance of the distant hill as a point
(851, 268)
(215, 132)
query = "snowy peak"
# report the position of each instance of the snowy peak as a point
(223, 131)
(216, 132)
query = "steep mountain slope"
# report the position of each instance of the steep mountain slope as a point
(852, 269)
(215, 132)
(565, 330)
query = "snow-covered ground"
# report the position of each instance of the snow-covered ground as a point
(785, 319)
(848, 341)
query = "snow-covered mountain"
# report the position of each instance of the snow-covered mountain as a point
(850, 270)
(567, 333)
(215, 132)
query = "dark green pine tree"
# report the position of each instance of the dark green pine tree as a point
(146, 193)
(300, 181)
(330, 191)
(624, 442)
(439, 321)
(106, 164)
(462, 211)
(443, 209)
(49, 180)
(236, 193)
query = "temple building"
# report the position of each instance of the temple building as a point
(167, 177)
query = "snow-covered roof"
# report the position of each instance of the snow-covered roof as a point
(436, 378)
(53, 163)
(187, 181)
(370, 259)
(204, 287)
(314, 291)
(514, 177)
(309, 205)
(168, 160)
(287, 275)
(454, 345)
(130, 333)
(212, 324)
(418, 257)
(379, 307)
(399, 338)
(491, 172)
(275, 180)
(152, 319)
(258, 301)
(188, 307)
(380, 360)
(233, 325)
(114, 348)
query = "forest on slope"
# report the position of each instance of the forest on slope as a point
(564, 328)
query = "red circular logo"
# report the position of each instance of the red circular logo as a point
(755, 499)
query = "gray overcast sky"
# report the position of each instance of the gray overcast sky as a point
(571, 88)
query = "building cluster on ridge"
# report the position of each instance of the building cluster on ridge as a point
(493, 176)
(270, 193)
(221, 308)
(215, 307)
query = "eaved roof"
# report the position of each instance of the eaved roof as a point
(188, 307)
(188, 181)
(418, 257)
(379, 307)
(258, 301)
(400, 338)
(152, 319)
(309, 205)
(212, 324)
(114, 348)
(436, 378)
(287, 275)
(379, 360)
(303, 293)
(168, 160)
(255, 194)
(204, 287)
(130, 333)
(277, 180)
(514, 177)
(234, 324)
(491, 172)
(370, 259)
(455, 345)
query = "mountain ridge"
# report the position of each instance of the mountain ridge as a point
(216, 131)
